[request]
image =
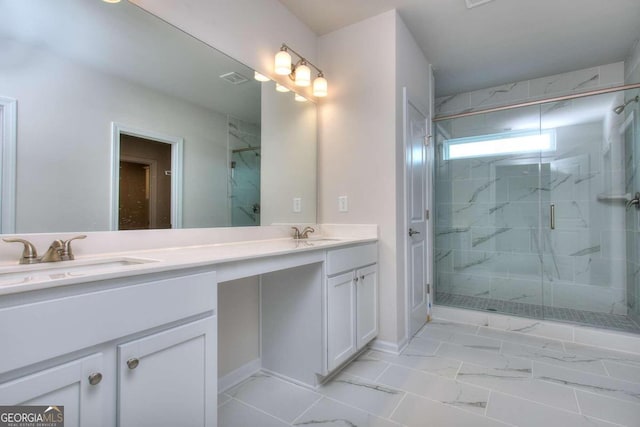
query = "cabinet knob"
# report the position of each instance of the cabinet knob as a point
(362, 277)
(133, 363)
(95, 378)
(356, 279)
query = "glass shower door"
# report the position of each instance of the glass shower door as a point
(583, 239)
(488, 193)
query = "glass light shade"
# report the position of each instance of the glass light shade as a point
(303, 75)
(259, 77)
(300, 98)
(281, 88)
(111, 1)
(320, 87)
(283, 63)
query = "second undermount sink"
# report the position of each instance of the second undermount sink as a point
(66, 269)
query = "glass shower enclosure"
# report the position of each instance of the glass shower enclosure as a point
(535, 212)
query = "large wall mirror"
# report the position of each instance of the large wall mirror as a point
(126, 122)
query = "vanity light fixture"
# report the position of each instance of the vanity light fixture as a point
(259, 77)
(111, 1)
(281, 88)
(300, 98)
(299, 72)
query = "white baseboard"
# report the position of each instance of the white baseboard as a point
(389, 347)
(237, 376)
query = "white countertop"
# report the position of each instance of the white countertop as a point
(22, 278)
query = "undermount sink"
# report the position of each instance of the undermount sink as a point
(65, 269)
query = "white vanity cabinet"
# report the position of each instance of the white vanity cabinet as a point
(131, 352)
(68, 385)
(352, 301)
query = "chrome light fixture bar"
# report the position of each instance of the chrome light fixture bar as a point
(300, 72)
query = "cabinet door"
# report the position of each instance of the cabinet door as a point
(170, 378)
(367, 308)
(341, 319)
(64, 385)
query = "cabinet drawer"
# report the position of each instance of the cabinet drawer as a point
(31, 333)
(340, 260)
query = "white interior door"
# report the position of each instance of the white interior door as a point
(416, 212)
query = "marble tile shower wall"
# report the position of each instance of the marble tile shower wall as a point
(631, 128)
(546, 87)
(492, 217)
(244, 173)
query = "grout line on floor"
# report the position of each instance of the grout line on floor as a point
(382, 373)
(242, 402)
(397, 406)
(306, 410)
(486, 408)
(575, 394)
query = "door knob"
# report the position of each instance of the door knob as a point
(412, 232)
(95, 378)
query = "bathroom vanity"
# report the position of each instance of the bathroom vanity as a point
(135, 343)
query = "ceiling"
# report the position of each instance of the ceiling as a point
(497, 42)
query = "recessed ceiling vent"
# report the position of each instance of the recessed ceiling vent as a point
(234, 78)
(475, 3)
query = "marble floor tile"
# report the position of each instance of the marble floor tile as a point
(237, 414)
(421, 346)
(602, 353)
(518, 338)
(608, 409)
(531, 381)
(274, 396)
(415, 411)
(366, 366)
(440, 389)
(599, 384)
(329, 413)
(369, 396)
(466, 340)
(463, 328)
(569, 361)
(489, 359)
(519, 383)
(432, 364)
(622, 371)
(525, 413)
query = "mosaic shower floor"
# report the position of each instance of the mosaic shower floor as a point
(588, 318)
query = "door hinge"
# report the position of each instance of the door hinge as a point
(426, 213)
(426, 140)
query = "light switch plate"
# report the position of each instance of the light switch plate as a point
(343, 204)
(297, 204)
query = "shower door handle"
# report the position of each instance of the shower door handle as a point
(552, 215)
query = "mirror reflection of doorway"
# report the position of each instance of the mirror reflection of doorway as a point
(144, 184)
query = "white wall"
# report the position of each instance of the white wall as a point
(250, 31)
(65, 111)
(238, 324)
(361, 146)
(288, 157)
(412, 72)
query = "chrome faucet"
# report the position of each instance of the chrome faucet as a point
(304, 234)
(59, 250)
